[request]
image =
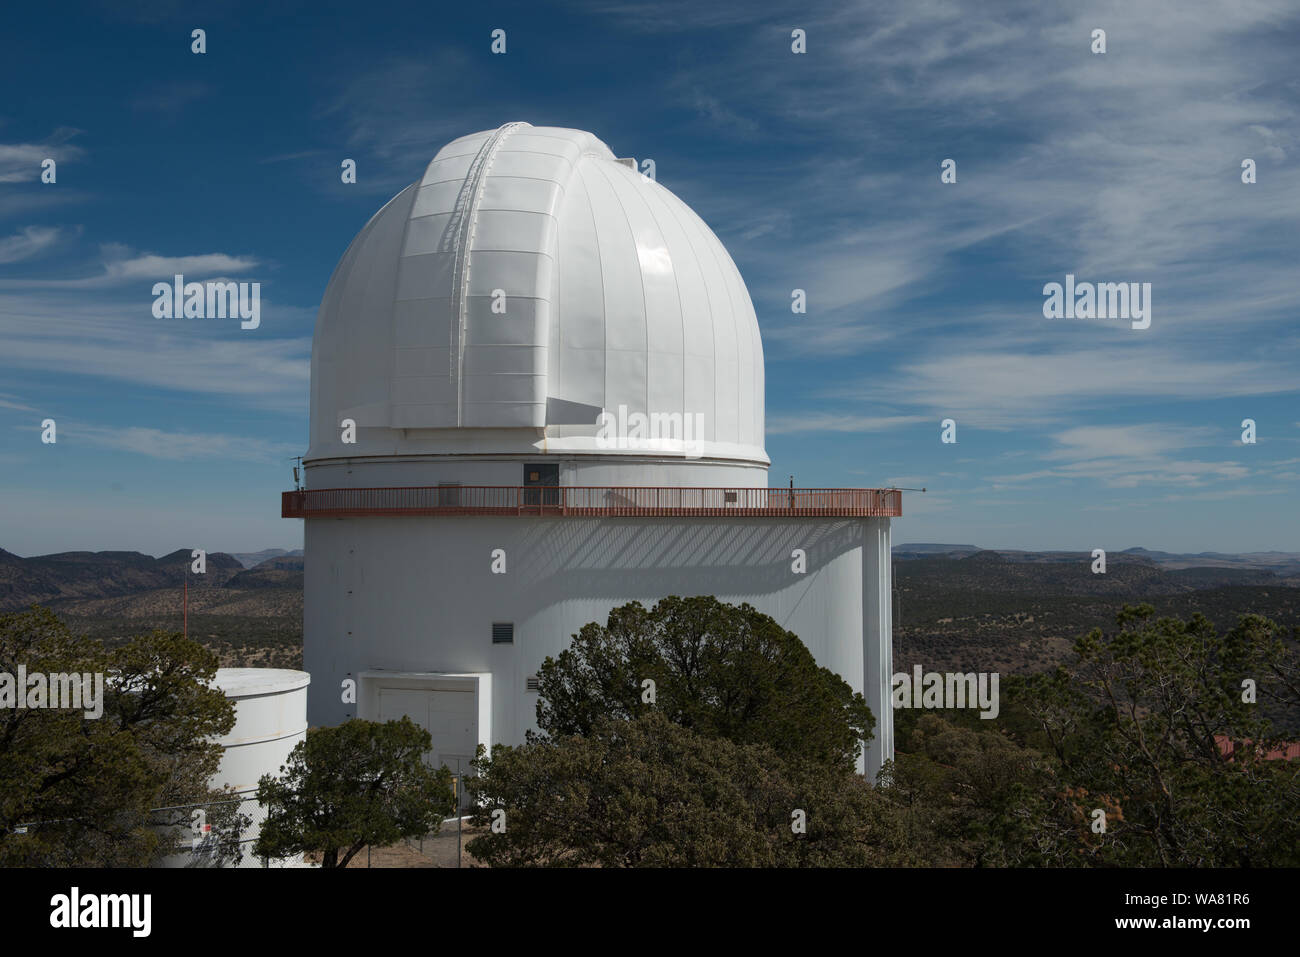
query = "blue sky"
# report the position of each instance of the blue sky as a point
(818, 171)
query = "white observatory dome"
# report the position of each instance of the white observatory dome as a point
(529, 281)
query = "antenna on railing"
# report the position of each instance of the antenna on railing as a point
(297, 483)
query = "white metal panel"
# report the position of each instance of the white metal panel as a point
(526, 274)
(555, 142)
(437, 198)
(697, 321)
(698, 396)
(758, 410)
(520, 324)
(424, 363)
(537, 165)
(421, 322)
(664, 366)
(448, 169)
(514, 231)
(581, 317)
(624, 302)
(521, 193)
(422, 390)
(625, 321)
(426, 234)
(747, 364)
(425, 276)
(725, 349)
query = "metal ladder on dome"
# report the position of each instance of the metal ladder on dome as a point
(461, 226)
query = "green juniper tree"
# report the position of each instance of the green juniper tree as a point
(360, 783)
(84, 787)
(720, 670)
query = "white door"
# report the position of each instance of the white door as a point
(397, 703)
(450, 717)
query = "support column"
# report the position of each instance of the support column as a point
(878, 640)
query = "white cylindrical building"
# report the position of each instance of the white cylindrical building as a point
(537, 393)
(270, 721)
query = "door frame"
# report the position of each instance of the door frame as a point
(370, 683)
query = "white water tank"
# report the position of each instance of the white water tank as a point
(270, 720)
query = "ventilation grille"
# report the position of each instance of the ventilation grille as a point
(533, 683)
(503, 632)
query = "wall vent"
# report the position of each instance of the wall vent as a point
(533, 683)
(503, 632)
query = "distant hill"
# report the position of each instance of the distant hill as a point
(1285, 565)
(48, 579)
(930, 551)
(252, 559)
(284, 571)
(251, 617)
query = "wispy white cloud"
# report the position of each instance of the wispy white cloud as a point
(1003, 390)
(832, 422)
(27, 243)
(21, 162)
(74, 335)
(150, 266)
(10, 402)
(1119, 167)
(120, 266)
(1128, 456)
(1091, 442)
(176, 446)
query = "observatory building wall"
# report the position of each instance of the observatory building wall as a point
(419, 596)
(506, 471)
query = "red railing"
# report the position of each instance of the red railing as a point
(588, 500)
